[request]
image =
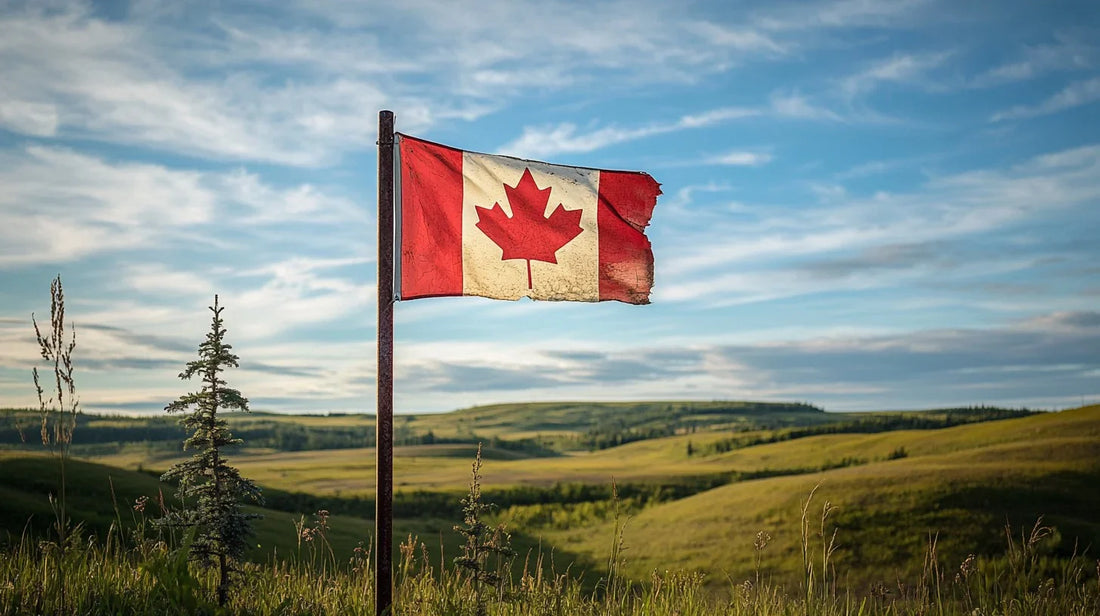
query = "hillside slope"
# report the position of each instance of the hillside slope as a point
(959, 484)
(100, 496)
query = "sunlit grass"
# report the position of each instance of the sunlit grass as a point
(955, 486)
(141, 575)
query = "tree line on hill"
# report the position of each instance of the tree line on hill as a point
(878, 422)
(101, 435)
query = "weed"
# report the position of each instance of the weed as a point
(482, 541)
(759, 544)
(59, 409)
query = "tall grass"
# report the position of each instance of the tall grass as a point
(138, 573)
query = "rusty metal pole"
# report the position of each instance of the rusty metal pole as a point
(383, 496)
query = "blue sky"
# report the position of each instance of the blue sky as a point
(867, 205)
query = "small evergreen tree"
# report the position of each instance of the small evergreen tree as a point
(212, 491)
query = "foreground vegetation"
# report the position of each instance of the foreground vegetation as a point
(134, 573)
(919, 533)
(686, 511)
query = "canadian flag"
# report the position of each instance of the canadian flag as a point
(506, 228)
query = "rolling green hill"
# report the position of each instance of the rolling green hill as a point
(695, 499)
(959, 484)
(101, 495)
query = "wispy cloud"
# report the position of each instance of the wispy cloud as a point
(1075, 94)
(297, 96)
(743, 38)
(904, 69)
(98, 207)
(567, 137)
(111, 207)
(773, 256)
(267, 301)
(795, 105)
(1049, 355)
(68, 72)
(740, 158)
(1070, 52)
(301, 292)
(28, 117)
(841, 14)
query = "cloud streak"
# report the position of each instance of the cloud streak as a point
(111, 207)
(567, 137)
(1069, 53)
(297, 96)
(901, 235)
(740, 158)
(1076, 94)
(1052, 355)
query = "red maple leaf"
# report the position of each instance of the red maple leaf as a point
(529, 234)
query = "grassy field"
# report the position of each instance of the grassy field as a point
(687, 506)
(142, 578)
(134, 574)
(961, 483)
(444, 467)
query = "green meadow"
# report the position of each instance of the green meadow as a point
(742, 506)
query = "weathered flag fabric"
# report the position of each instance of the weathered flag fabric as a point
(505, 228)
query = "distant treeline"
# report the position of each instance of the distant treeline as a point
(18, 428)
(878, 422)
(100, 435)
(162, 435)
(660, 420)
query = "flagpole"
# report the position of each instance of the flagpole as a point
(383, 497)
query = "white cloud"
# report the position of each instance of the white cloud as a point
(1068, 53)
(853, 368)
(797, 106)
(739, 158)
(564, 138)
(28, 117)
(238, 87)
(906, 69)
(739, 38)
(69, 73)
(241, 88)
(266, 301)
(567, 137)
(1075, 94)
(842, 14)
(155, 278)
(304, 202)
(753, 260)
(106, 207)
(716, 116)
(299, 292)
(98, 206)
